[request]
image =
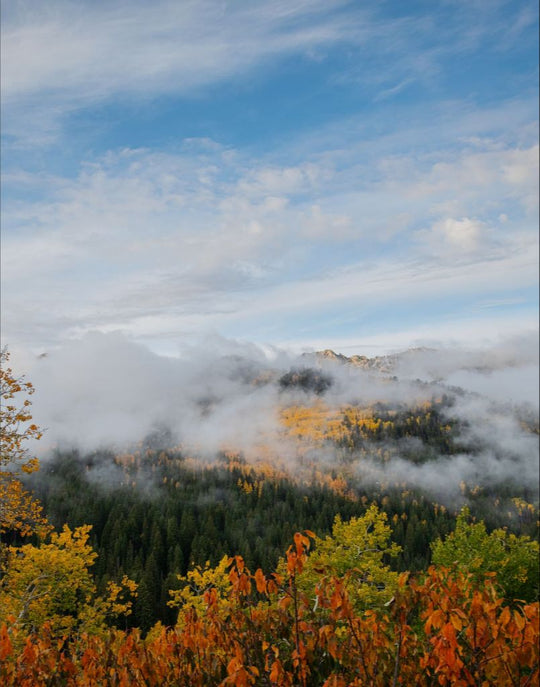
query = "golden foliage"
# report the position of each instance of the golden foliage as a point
(52, 584)
(18, 510)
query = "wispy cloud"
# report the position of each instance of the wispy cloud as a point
(58, 57)
(91, 50)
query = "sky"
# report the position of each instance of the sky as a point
(361, 176)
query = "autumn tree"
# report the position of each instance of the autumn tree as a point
(198, 581)
(355, 549)
(52, 583)
(470, 549)
(19, 511)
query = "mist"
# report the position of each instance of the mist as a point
(107, 392)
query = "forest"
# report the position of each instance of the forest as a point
(153, 566)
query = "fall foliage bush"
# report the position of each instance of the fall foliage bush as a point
(437, 629)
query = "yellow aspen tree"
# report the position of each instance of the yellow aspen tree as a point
(19, 512)
(52, 583)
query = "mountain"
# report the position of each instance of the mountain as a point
(385, 364)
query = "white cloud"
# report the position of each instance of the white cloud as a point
(277, 180)
(319, 225)
(457, 236)
(509, 173)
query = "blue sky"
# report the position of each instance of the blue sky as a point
(354, 175)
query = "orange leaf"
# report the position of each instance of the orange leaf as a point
(260, 581)
(456, 621)
(519, 619)
(233, 665)
(276, 671)
(505, 616)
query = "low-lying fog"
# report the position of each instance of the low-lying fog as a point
(105, 390)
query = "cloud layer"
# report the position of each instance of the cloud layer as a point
(148, 243)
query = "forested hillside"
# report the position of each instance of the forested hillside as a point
(164, 515)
